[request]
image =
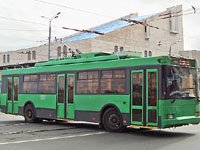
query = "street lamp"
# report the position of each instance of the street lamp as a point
(50, 20)
(170, 48)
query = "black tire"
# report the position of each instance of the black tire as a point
(29, 114)
(112, 121)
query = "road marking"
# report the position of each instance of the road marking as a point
(53, 138)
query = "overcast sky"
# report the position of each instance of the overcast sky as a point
(21, 24)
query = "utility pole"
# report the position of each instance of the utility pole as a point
(50, 20)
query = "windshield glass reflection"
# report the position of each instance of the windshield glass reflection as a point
(180, 83)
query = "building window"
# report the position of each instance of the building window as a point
(174, 20)
(121, 49)
(147, 30)
(59, 51)
(145, 53)
(150, 53)
(8, 58)
(29, 55)
(34, 55)
(4, 58)
(116, 48)
(65, 51)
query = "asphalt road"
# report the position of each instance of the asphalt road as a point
(17, 135)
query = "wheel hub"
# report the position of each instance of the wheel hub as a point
(114, 120)
(29, 113)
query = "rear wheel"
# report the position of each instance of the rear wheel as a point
(112, 120)
(29, 114)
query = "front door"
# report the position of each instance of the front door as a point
(65, 96)
(12, 95)
(144, 95)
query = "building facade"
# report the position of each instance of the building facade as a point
(151, 35)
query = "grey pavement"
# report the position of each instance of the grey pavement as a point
(17, 135)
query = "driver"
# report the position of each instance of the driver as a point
(173, 87)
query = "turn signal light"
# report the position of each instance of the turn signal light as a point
(124, 121)
(198, 114)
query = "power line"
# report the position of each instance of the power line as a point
(75, 9)
(20, 20)
(22, 30)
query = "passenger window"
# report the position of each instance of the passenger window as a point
(16, 85)
(61, 87)
(137, 89)
(70, 89)
(9, 89)
(152, 89)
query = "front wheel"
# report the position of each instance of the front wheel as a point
(29, 114)
(112, 120)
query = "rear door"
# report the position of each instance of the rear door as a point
(137, 97)
(12, 95)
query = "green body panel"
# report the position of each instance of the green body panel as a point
(184, 111)
(60, 111)
(3, 99)
(96, 102)
(39, 100)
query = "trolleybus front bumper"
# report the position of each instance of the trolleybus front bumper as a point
(180, 121)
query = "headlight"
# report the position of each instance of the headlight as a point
(170, 116)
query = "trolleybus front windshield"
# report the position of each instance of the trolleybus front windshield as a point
(180, 83)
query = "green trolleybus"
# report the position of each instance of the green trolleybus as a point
(113, 90)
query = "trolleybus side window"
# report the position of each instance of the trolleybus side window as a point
(44, 83)
(47, 83)
(30, 84)
(71, 89)
(61, 87)
(88, 82)
(9, 89)
(16, 86)
(137, 88)
(152, 89)
(113, 82)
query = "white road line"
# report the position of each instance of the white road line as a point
(53, 138)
